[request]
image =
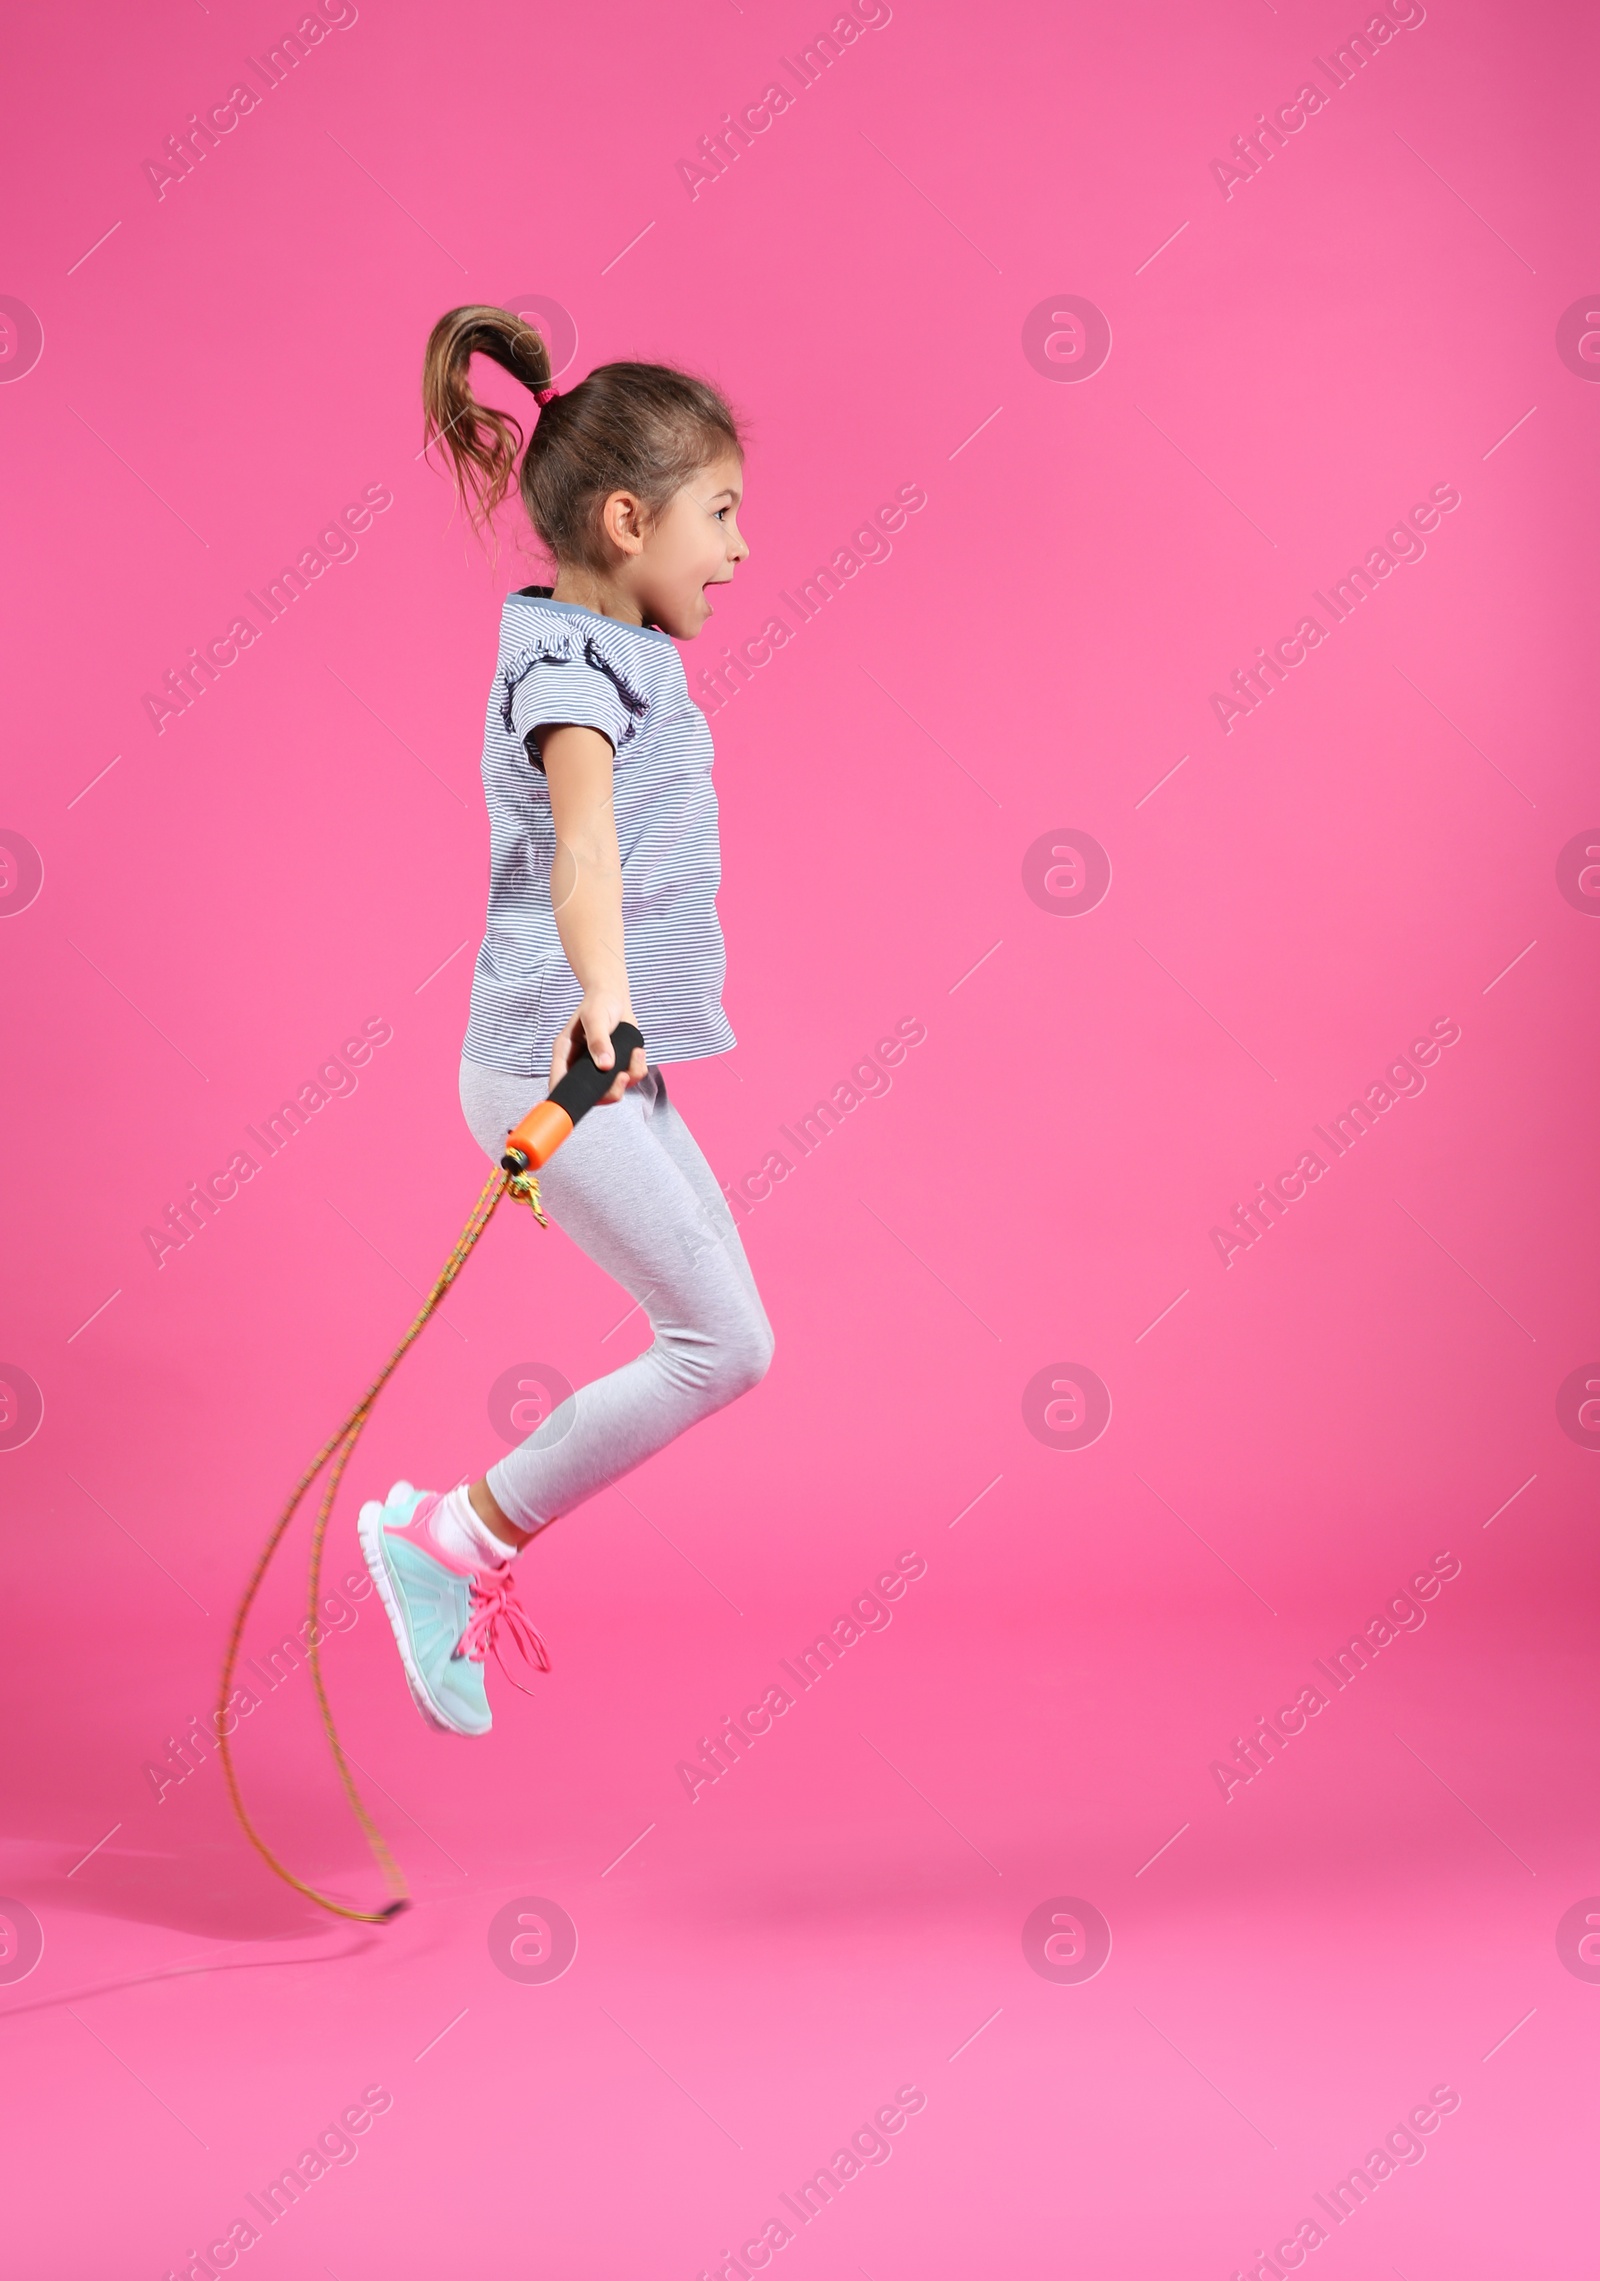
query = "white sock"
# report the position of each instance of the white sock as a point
(459, 1532)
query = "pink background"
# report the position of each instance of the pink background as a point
(1292, 1436)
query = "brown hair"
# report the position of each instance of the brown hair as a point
(645, 428)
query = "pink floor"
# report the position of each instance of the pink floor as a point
(1002, 1949)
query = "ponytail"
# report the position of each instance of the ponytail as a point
(644, 428)
(482, 444)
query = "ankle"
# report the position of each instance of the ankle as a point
(481, 1498)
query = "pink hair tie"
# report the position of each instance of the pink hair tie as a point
(542, 396)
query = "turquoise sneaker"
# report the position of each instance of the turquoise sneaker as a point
(445, 1615)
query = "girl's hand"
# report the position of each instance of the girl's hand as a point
(592, 1025)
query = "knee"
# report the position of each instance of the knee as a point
(714, 1368)
(743, 1360)
(750, 1357)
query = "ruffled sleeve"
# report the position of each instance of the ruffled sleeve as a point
(567, 676)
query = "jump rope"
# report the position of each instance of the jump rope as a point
(529, 1147)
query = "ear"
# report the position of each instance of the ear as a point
(623, 521)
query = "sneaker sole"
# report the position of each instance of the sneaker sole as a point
(369, 1532)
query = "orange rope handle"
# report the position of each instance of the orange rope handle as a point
(338, 1449)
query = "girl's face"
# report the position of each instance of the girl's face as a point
(696, 543)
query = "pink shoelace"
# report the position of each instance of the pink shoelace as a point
(494, 1604)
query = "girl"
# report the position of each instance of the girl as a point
(602, 908)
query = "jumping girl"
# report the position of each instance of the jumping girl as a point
(603, 876)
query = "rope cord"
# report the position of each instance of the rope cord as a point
(336, 1453)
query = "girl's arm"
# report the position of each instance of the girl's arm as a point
(586, 896)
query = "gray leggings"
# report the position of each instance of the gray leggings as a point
(632, 1190)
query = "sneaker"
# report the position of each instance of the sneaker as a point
(445, 1615)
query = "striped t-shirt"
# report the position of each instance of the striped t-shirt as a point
(561, 663)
